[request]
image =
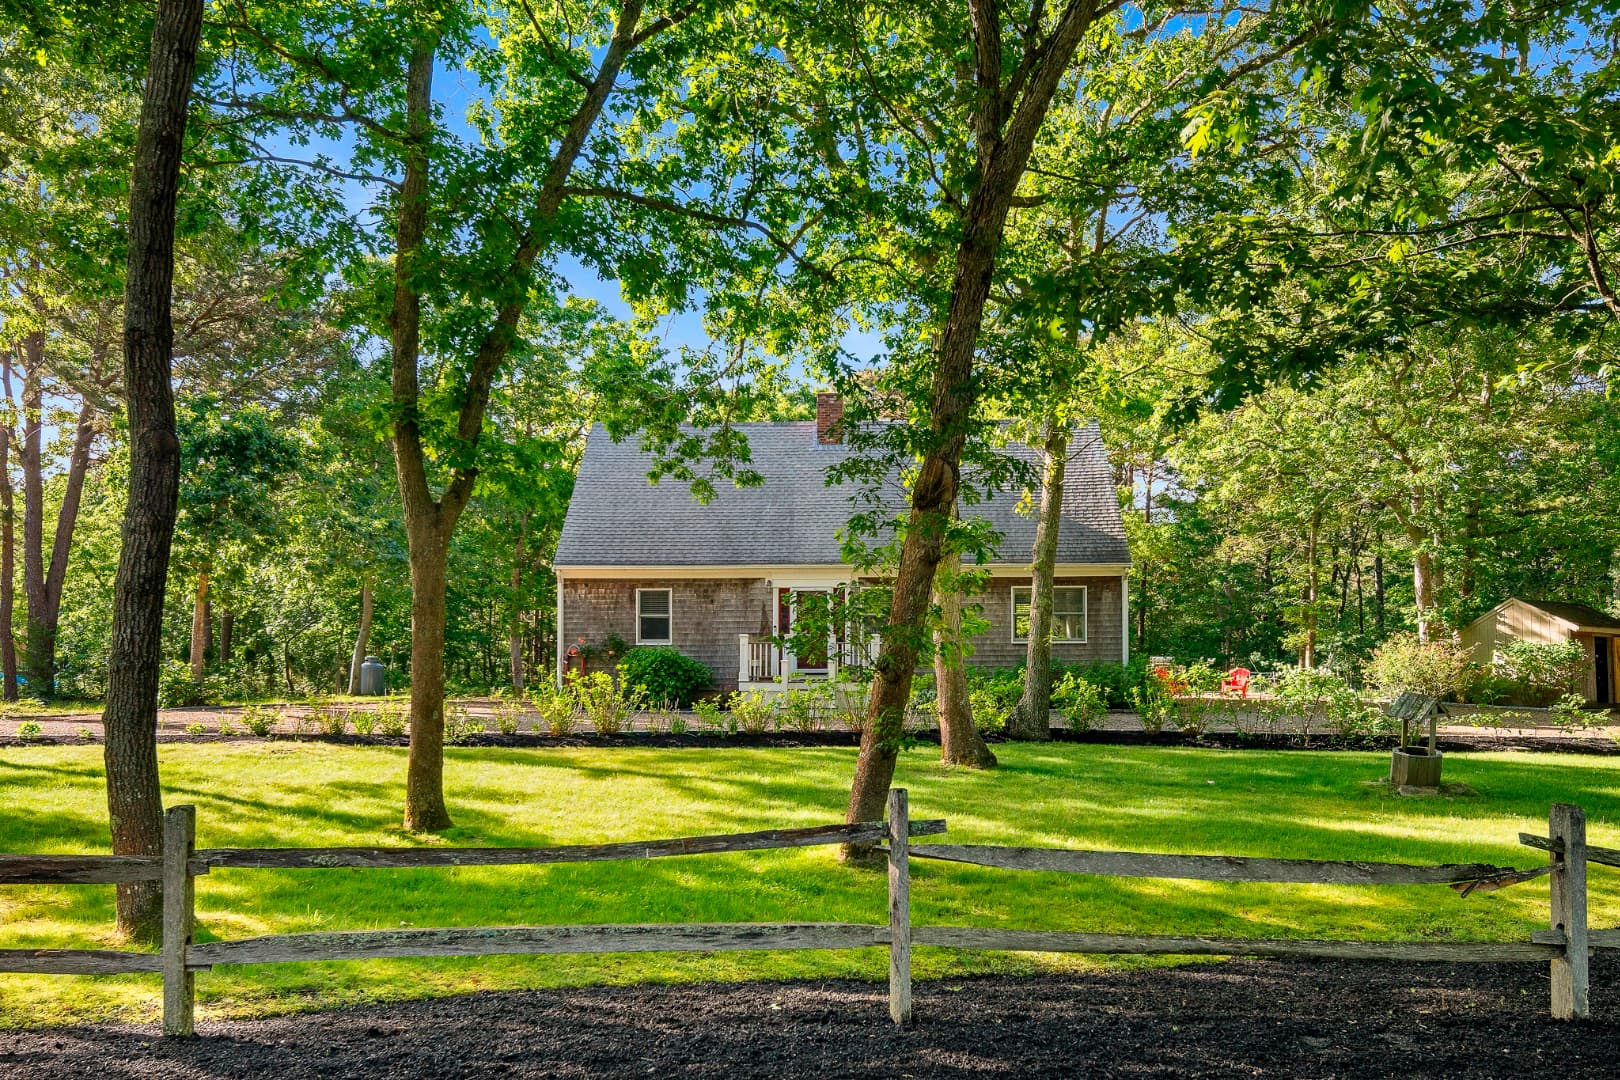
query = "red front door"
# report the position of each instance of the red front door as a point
(815, 606)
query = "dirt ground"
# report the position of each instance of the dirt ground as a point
(1240, 1018)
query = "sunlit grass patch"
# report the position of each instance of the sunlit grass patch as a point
(1284, 804)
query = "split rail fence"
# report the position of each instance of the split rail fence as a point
(1566, 945)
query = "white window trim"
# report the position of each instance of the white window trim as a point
(671, 617)
(1012, 615)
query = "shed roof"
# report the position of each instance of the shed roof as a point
(1584, 618)
(617, 517)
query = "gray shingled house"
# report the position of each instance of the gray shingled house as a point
(718, 581)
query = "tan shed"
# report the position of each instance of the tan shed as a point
(1549, 621)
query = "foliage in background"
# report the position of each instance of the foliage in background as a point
(1543, 671)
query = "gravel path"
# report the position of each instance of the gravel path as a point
(1240, 1018)
(1117, 726)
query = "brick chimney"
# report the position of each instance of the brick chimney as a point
(829, 418)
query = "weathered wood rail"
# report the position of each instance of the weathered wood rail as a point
(181, 864)
(1565, 945)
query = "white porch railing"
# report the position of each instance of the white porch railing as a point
(759, 659)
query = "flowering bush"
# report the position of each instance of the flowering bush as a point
(1438, 668)
(1543, 671)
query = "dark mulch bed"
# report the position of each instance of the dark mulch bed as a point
(1242, 1018)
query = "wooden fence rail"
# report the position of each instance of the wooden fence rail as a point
(1565, 944)
(181, 864)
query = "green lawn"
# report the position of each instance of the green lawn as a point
(1290, 804)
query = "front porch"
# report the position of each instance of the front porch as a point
(765, 664)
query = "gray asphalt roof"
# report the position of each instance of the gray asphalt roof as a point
(617, 517)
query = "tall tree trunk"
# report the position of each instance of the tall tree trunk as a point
(1313, 585)
(430, 521)
(514, 623)
(30, 455)
(426, 542)
(42, 583)
(134, 797)
(1032, 718)
(362, 639)
(201, 623)
(1378, 592)
(8, 555)
(1003, 145)
(227, 624)
(425, 809)
(959, 740)
(1425, 580)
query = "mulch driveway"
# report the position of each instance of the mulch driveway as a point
(1240, 1018)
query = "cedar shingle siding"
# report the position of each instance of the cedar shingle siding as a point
(995, 647)
(707, 615)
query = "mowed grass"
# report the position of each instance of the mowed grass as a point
(1289, 804)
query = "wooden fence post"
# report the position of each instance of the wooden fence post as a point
(1566, 831)
(899, 907)
(179, 894)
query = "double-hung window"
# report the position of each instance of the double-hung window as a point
(1068, 614)
(654, 618)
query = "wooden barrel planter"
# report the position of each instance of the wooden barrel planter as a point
(1415, 766)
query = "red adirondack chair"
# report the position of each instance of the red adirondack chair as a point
(1237, 682)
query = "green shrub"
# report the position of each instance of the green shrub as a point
(664, 674)
(1116, 681)
(1488, 688)
(711, 720)
(800, 710)
(460, 725)
(391, 719)
(1314, 695)
(1200, 677)
(1569, 713)
(1543, 671)
(89, 736)
(29, 729)
(992, 696)
(1438, 668)
(1079, 700)
(1153, 704)
(556, 709)
(508, 716)
(331, 720)
(364, 720)
(177, 689)
(196, 727)
(752, 712)
(258, 720)
(606, 704)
